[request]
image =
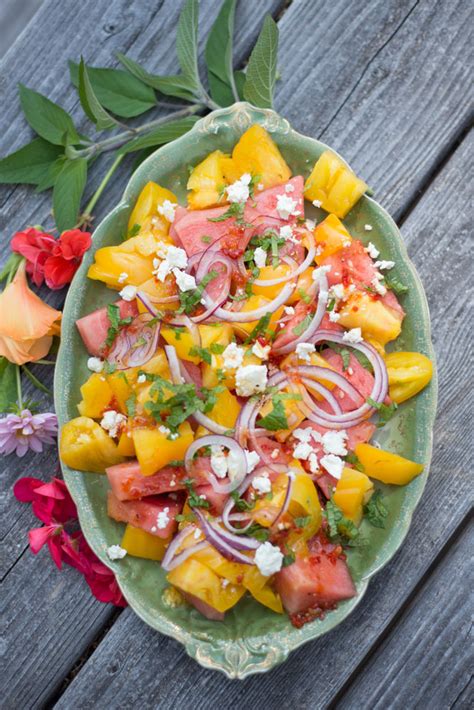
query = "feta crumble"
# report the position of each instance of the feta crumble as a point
(95, 364)
(239, 190)
(115, 552)
(286, 232)
(304, 350)
(233, 356)
(289, 187)
(260, 257)
(289, 310)
(317, 203)
(250, 379)
(122, 277)
(168, 210)
(354, 335)
(313, 463)
(302, 450)
(261, 351)
(141, 378)
(173, 258)
(337, 291)
(268, 559)
(319, 272)
(368, 227)
(334, 316)
(334, 442)
(164, 430)
(372, 250)
(162, 519)
(112, 421)
(286, 206)
(378, 286)
(262, 484)
(184, 281)
(384, 265)
(219, 461)
(128, 293)
(333, 465)
(302, 434)
(252, 459)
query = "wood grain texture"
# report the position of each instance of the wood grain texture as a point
(391, 89)
(434, 632)
(124, 668)
(14, 16)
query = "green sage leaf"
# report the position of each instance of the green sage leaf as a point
(117, 90)
(67, 193)
(239, 78)
(90, 103)
(30, 164)
(219, 58)
(7, 384)
(169, 85)
(46, 118)
(160, 135)
(261, 71)
(187, 43)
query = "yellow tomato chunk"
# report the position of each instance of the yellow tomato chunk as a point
(352, 491)
(140, 543)
(194, 578)
(150, 198)
(206, 183)
(85, 446)
(257, 153)
(96, 395)
(155, 450)
(408, 374)
(385, 466)
(331, 236)
(333, 184)
(372, 316)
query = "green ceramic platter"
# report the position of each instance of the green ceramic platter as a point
(252, 639)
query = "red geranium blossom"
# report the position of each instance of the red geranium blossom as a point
(53, 505)
(50, 259)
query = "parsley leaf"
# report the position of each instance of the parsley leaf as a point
(276, 419)
(375, 510)
(386, 411)
(303, 325)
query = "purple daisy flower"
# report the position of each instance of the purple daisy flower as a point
(24, 431)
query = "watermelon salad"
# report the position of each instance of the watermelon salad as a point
(237, 378)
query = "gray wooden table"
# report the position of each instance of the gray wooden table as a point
(387, 84)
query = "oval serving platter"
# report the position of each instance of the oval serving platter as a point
(252, 639)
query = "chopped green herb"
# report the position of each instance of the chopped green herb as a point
(178, 330)
(393, 283)
(276, 419)
(186, 518)
(206, 239)
(303, 521)
(203, 353)
(110, 367)
(304, 296)
(184, 401)
(375, 510)
(354, 461)
(274, 248)
(131, 405)
(217, 348)
(191, 299)
(340, 529)
(258, 532)
(288, 559)
(113, 314)
(240, 503)
(176, 463)
(346, 358)
(259, 329)
(386, 411)
(194, 500)
(331, 304)
(134, 231)
(303, 325)
(255, 179)
(235, 209)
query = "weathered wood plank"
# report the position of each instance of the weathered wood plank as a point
(384, 83)
(125, 666)
(433, 633)
(14, 16)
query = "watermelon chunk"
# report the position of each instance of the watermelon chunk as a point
(215, 499)
(144, 513)
(266, 201)
(208, 611)
(128, 482)
(357, 375)
(316, 582)
(195, 224)
(93, 327)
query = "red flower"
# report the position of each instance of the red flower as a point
(50, 259)
(53, 505)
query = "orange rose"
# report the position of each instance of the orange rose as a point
(27, 324)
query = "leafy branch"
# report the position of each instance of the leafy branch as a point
(59, 157)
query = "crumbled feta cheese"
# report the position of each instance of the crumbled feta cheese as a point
(372, 250)
(317, 203)
(262, 484)
(313, 463)
(239, 190)
(302, 434)
(219, 461)
(302, 450)
(122, 277)
(304, 350)
(337, 291)
(334, 442)
(197, 534)
(368, 227)
(250, 379)
(95, 364)
(260, 257)
(286, 206)
(275, 453)
(141, 378)
(128, 293)
(310, 224)
(173, 258)
(350, 371)
(334, 316)
(260, 186)
(115, 552)
(384, 265)
(184, 281)
(346, 244)
(268, 559)
(168, 210)
(319, 272)
(174, 436)
(289, 310)
(286, 232)
(111, 422)
(252, 459)
(289, 187)
(164, 430)
(333, 465)
(162, 519)
(378, 286)
(233, 356)
(261, 351)
(354, 335)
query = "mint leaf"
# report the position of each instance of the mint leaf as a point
(90, 103)
(340, 528)
(46, 118)
(8, 391)
(354, 461)
(240, 503)
(288, 559)
(276, 419)
(394, 284)
(386, 411)
(30, 164)
(261, 71)
(375, 510)
(259, 329)
(160, 135)
(219, 56)
(67, 193)
(203, 353)
(303, 521)
(117, 90)
(194, 500)
(303, 325)
(131, 405)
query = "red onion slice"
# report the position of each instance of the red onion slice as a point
(136, 343)
(294, 274)
(169, 560)
(227, 549)
(233, 447)
(288, 494)
(249, 316)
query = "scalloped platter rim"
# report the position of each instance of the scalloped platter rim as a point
(251, 639)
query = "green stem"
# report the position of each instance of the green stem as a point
(39, 385)
(18, 387)
(121, 138)
(45, 362)
(93, 201)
